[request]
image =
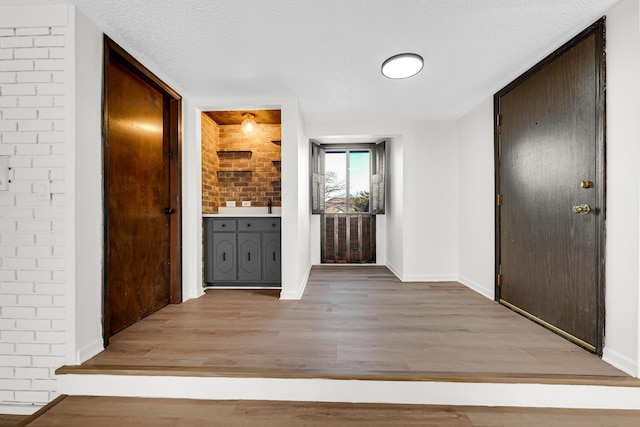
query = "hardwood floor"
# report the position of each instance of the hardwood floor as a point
(352, 322)
(117, 411)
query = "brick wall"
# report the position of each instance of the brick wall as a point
(249, 167)
(210, 165)
(32, 290)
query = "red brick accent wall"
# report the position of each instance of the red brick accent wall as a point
(247, 169)
(210, 165)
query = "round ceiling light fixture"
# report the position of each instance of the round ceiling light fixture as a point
(402, 66)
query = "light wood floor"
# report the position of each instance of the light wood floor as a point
(352, 322)
(84, 411)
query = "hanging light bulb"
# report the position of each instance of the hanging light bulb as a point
(248, 124)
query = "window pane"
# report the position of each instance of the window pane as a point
(359, 185)
(335, 176)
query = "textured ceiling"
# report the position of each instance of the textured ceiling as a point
(328, 53)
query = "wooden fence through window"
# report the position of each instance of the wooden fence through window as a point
(349, 238)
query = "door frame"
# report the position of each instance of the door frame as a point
(597, 28)
(173, 118)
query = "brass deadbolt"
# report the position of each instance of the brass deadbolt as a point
(586, 184)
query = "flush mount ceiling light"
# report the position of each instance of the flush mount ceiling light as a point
(248, 124)
(402, 66)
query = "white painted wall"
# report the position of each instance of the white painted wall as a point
(430, 202)
(476, 211)
(35, 77)
(394, 211)
(623, 187)
(84, 192)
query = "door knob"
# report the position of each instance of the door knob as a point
(582, 209)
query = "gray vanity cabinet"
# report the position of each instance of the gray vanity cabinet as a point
(242, 251)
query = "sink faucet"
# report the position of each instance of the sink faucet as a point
(268, 205)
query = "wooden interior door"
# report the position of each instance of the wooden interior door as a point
(141, 197)
(550, 145)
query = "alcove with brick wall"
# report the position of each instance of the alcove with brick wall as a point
(237, 167)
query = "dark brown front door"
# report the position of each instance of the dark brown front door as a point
(140, 200)
(550, 141)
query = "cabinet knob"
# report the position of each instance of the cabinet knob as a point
(273, 225)
(249, 225)
(224, 225)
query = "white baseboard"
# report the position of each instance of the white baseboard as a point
(429, 278)
(488, 293)
(297, 295)
(395, 270)
(19, 409)
(620, 361)
(88, 351)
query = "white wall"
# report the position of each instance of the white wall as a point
(431, 202)
(35, 74)
(84, 192)
(623, 186)
(476, 209)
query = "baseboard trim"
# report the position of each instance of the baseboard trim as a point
(88, 351)
(619, 361)
(430, 278)
(487, 293)
(297, 295)
(19, 409)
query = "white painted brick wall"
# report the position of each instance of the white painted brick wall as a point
(32, 134)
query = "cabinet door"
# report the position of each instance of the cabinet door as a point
(208, 250)
(224, 257)
(249, 257)
(271, 257)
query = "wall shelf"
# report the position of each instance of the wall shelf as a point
(235, 154)
(277, 142)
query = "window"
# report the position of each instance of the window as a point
(348, 180)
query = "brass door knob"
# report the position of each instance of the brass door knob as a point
(582, 209)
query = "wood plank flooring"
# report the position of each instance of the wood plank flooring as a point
(117, 411)
(352, 322)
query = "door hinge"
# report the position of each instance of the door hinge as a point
(499, 120)
(499, 279)
(499, 199)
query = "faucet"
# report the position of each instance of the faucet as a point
(268, 205)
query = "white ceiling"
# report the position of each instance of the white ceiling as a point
(328, 53)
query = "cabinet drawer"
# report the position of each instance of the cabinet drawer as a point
(224, 224)
(259, 224)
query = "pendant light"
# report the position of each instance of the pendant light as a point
(402, 66)
(248, 124)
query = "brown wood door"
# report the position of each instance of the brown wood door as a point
(550, 141)
(140, 200)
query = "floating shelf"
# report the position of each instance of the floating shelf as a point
(233, 172)
(277, 142)
(235, 154)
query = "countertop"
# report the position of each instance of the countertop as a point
(242, 215)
